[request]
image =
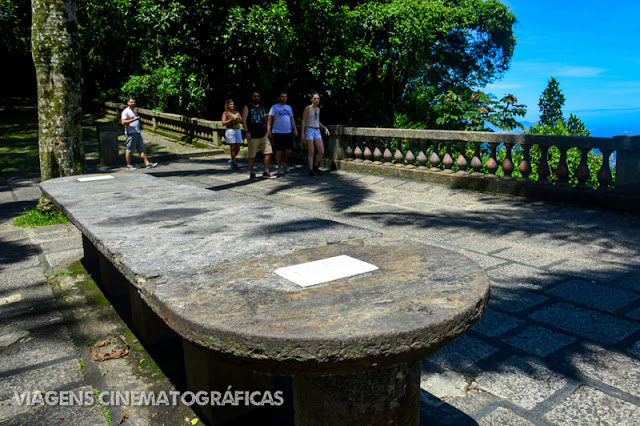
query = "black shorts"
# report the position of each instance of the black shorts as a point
(282, 141)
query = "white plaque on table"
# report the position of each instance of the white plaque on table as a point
(325, 270)
(89, 179)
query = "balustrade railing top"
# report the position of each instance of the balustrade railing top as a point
(489, 137)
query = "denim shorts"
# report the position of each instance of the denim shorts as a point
(134, 142)
(233, 136)
(311, 134)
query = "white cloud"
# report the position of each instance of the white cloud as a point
(625, 91)
(504, 86)
(556, 69)
(577, 71)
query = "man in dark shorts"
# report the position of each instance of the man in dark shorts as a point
(281, 128)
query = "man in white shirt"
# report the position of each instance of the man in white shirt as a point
(131, 122)
(281, 128)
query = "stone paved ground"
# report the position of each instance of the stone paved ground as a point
(559, 344)
(50, 312)
(36, 352)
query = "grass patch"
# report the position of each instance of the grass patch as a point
(19, 142)
(34, 217)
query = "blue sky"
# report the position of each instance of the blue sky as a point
(592, 47)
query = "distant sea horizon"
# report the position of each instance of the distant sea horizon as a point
(602, 131)
(604, 123)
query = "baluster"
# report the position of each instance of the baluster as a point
(377, 154)
(215, 138)
(562, 172)
(357, 152)
(525, 165)
(398, 156)
(492, 164)
(422, 157)
(367, 153)
(604, 175)
(448, 158)
(476, 161)
(507, 164)
(348, 150)
(583, 172)
(543, 167)
(410, 157)
(387, 156)
(462, 158)
(435, 157)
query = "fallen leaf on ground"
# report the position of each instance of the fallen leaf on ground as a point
(101, 343)
(124, 417)
(114, 354)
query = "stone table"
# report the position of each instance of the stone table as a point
(206, 263)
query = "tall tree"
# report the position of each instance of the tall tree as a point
(576, 127)
(550, 104)
(55, 49)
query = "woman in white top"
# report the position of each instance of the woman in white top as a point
(311, 127)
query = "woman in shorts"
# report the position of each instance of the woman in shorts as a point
(232, 119)
(311, 127)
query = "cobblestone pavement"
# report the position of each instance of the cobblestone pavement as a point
(559, 344)
(36, 351)
(50, 312)
(560, 341)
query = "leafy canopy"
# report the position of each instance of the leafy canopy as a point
(373, 59)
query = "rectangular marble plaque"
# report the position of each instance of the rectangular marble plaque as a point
(88, 179)
(325, 270)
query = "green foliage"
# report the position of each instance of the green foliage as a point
(559, 128)
(550, 104)
(417, 50)
(172, 86)
(372, 58)
(573, 155)
(552, 123)
(474, 110)
(576, 127)
(35, 217)
(15, 26)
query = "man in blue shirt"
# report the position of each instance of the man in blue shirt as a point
(281, 128)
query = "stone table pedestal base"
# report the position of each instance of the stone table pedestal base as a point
(387, 396)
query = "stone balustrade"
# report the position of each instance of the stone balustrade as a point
(498, 162)
(485, 161)
(198, 131)
(433, 149)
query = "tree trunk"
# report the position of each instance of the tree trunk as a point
(56, 56)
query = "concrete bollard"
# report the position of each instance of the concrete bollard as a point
(108, 140)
